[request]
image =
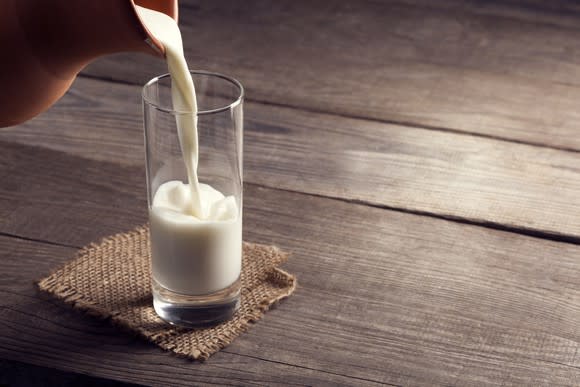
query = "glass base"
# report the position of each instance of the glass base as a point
(196, 311)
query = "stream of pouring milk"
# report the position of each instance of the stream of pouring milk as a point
(195, 230)
(165, 29)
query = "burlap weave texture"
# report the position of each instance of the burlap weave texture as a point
(112, 279)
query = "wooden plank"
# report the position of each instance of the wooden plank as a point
(95, 119)
(516, 186)
(444, 174)
(19, 374)
(557, 13)
(38, 330)
(460, 66)
(66, 187)
(384, 296)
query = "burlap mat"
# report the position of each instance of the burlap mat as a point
(112, 279)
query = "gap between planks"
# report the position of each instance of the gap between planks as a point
(315, 369)
(456, 219)
(451, 65)
(369, 119)
(15, 236)
(298, 366)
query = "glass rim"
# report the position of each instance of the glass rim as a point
(233, 81)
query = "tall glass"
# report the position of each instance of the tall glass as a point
(196, 263)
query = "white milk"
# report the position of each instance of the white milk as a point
(192, 255)
(196, 232)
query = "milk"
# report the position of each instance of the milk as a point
(191, 255)
(196, 231)
(165, 29)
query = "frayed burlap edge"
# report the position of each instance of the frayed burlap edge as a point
(244, 324)
(71, 297)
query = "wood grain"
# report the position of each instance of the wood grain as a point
(489, 182)
(37, 330)
(16, 374)
(384, 297)
(558, 13)
(94, 119)
(496, 69)
(485, 181)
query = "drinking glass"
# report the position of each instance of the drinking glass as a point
(195, 266)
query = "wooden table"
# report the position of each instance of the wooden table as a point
(420, 159)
